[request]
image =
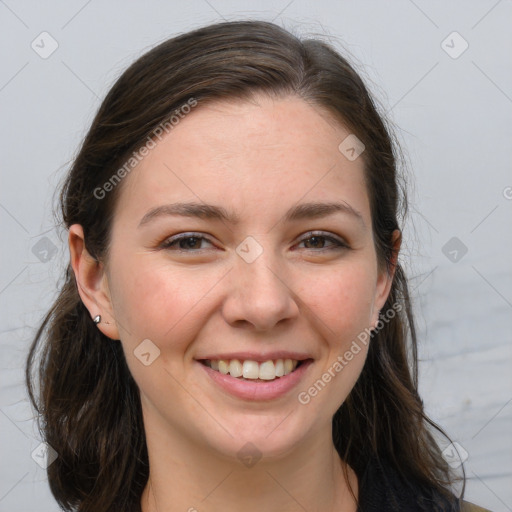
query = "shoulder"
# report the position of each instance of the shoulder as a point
(470, 507)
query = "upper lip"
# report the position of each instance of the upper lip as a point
(257, 356)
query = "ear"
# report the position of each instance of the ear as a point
(92, 282)
(385, 278)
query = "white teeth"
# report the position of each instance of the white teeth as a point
(267, 370)
(223, 367)
(248, 369)
(235, 368)
(251, 370)
(279, 368)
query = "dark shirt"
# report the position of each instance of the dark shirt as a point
(381, 489)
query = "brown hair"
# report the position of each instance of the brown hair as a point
(88, 402)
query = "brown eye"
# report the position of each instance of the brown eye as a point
(322, 242)
(315, 242)
(187, 242)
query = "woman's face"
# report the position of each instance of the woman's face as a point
(254, 269)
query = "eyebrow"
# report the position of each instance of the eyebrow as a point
(208, 211)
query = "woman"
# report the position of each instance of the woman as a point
(234, 327)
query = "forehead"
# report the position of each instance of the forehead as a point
(262, 124)
(260, 151)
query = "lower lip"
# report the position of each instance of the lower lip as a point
(247, 390)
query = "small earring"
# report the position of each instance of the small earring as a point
(97, 319)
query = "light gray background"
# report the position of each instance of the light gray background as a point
(455, 119)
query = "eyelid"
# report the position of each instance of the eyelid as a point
(338, 241)
(183, 236)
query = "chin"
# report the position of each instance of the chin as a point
(255, 436)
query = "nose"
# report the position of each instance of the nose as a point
(260, 296)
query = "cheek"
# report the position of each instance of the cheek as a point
(343, 302)
(161, 303)
(169, 305)
(340, 298)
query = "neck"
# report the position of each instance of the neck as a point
(187, 477)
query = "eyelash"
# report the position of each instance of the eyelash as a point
(336, 244)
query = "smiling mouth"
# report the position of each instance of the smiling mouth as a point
(252, 370)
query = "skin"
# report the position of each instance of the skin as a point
(256, 159)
